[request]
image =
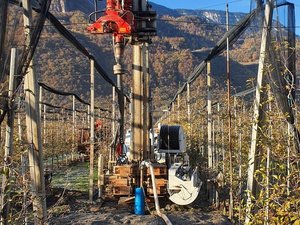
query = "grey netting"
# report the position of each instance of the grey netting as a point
(282, 57)
(3, 19)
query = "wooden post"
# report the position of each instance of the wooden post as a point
(288, 169)
(149, 104)
(223, 148)
(73, 123)
(19, 121)
(240, 134)
(267, 188)
(5, 197)
(44, 124)
(131, 122)
(100, 176)
(209, 118)
(252, 162)
(92, 138)
(58, 137)
(88, 117)
(40, 101)
(173, 112)
(137, 122)
(201, 134)
(209, 132)
(214, 166)
(178, 108)
(218, 135)
(35, 151)
(189, 103)
(146, 107)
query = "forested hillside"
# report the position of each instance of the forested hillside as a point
(180, 32)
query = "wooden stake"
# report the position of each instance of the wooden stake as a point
(19, 122)
(92, 138)
(173, 113)
(289, 133)
(100, 176)
(267, 195)
(40, 101)
(209, 120)
(73, 123)
(209, 132)
(44, 124)
(88, 117)
(223, 148)
(240, 169)
(178, 108)
(218, 137)
(188, 103)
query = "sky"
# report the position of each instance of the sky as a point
(234, 6)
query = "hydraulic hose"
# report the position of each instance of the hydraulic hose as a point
(157, 207)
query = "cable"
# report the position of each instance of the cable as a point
(27, 53)
(73, 40)
(33, 42)
(63, 93)
(172, 20)
(210, 6)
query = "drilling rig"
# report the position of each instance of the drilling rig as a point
(133, 21)
(129, 21)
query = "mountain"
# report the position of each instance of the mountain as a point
(172, 60)
(87, 7)
(212, 16)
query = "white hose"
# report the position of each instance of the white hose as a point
(157, 207)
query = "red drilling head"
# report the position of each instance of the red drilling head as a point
(118, 19)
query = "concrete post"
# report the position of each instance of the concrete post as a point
(257, 107)
(33, 125)
(92, 131)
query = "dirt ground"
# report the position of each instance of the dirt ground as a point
(71, 207)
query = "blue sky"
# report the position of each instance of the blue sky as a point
(234, 6)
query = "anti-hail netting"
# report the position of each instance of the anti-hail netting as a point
(282, 55)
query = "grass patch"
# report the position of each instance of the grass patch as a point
(74, 177)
